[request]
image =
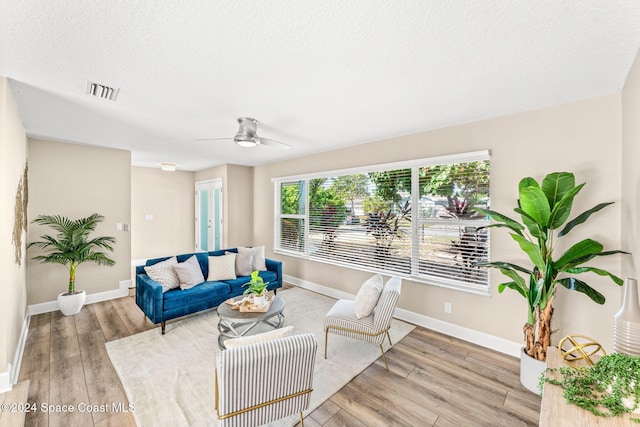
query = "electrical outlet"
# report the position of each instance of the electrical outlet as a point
(447, 308)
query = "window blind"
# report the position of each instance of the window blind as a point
(410, 219)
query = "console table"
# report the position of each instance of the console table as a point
(556, 412)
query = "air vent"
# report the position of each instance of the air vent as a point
(101, 91)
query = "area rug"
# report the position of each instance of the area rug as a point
(170, 378)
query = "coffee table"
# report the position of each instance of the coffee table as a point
(234, 324)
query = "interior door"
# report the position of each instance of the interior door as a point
(209, 215)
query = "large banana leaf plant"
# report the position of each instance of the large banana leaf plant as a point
(71, 246)
(544, 210)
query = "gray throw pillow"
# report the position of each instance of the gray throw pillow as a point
(189, 273)
(243, 263)
(257, 255)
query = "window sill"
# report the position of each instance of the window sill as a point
(433, 281)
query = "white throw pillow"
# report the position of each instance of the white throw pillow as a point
(368, 296)
(189, 273)
(243, 263)
(162, 272)
(265, 336)
(258, 260)
(222, 267)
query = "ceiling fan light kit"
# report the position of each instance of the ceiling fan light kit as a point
(247, 143)
(247, 136)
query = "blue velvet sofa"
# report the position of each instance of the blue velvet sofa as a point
(160, 307)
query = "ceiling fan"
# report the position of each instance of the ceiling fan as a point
(247, 136)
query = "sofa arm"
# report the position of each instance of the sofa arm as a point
(149, 297)
(275, 266)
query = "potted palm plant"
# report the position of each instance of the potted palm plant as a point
(71, 246)
(544, 210)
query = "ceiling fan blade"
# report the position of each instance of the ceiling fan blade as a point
(274, 143)
(214, 139)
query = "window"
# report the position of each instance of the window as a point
(413, 219)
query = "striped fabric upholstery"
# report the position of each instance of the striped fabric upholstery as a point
(372, 328)
(263, 372)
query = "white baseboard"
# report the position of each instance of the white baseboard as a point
(466, 334)
(17, 358)
(5, 380)
(321, 289)
(46, 307)
(122, 291)
(11, 376)
(476, 337)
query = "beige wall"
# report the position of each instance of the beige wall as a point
(76, 181)
(13, 286)
(169, 197)
(581, 137)
(237, 202)
(631, 170)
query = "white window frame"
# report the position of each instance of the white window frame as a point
(415, 223)
(279, 216)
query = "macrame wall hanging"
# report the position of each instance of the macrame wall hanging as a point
(20, 214)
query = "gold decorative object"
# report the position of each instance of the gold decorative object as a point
(246, 304)
(580, 350)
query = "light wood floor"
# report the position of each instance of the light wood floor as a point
(433, 379)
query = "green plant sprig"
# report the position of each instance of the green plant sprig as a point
(256, 285)
(600, 388)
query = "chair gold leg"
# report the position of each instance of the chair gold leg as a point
(301, 420)
(384, 357)
(389, 336)
(326, 338)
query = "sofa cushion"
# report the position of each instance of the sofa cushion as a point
(189, 273)
(208, 290)
(257, 253)
(222, 267)
(162, 272)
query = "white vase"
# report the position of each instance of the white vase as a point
(259, 300)
(530, 371)
(626, 327)
(71, 304)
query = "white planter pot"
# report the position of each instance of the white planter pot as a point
(71, 304)
(530, 371)
(259, 300)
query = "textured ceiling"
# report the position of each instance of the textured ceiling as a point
(317, 74)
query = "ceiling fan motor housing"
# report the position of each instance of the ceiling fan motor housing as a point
(246, 135)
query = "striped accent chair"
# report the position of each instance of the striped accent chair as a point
(341, 318)
(265, 381)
